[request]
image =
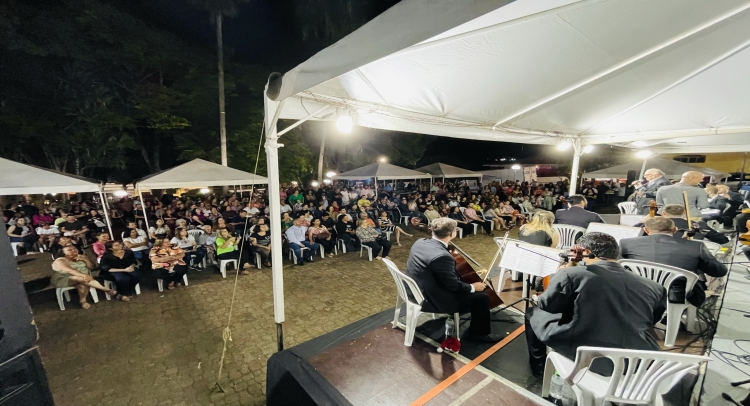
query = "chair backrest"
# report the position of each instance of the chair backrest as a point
(403, 282)
(461, 209)
(661, 274)
(713, 247)
(195, 233)
(627, 208)
(568, 235)
(637, 375)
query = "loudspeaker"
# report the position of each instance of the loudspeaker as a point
(22, 377)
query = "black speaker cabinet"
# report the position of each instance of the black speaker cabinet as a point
(22, 377)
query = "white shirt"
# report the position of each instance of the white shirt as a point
(186, 243)
(285, 208)
(445, 244)
(296, 234)
(137, 240)
(50, 230)
(252, 210)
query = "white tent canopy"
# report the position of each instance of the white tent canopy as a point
(531, 71)
(381, 171)
(441, 170)
(199, 173)
(672, 169)
(21, 179)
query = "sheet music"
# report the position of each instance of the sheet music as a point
(619, 232)
(517, 257)
(630, 219)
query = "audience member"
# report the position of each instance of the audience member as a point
(120, 266)
(371, 237)
(74, 269)
(167, 259)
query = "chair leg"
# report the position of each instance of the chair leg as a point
(184, 279)
(457, 325)
(674, 316)
(412, 315)
(549, 370)
(60, 300)
(107, 284)
(94, 295)
(691, 321)
(397, 313)
(160, 285)
(138, 289)
(67, 295)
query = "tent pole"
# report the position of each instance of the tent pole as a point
(643, 169)
(272, 110)
(376, 189)
(143, 206)
(574, 167)
(106, 214)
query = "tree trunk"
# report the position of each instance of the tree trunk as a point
(320, 159)
(222, 113)
(77, 166)
(155, 154)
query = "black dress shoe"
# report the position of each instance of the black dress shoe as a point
(537, 371)
(300, 263)
(487, 338)
(309, 259)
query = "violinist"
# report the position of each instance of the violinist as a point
(433, 268)
(661, 247)
(596, 303)
(576, 214)
(676, 213)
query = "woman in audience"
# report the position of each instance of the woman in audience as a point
(74, 269)
(99, 246)
(22, 234)
(471, 216)
(372, 238)
(43, 216)
(461, 220)
(168, 260)
(318, 233)
(539, 230)
(227, 248)
(120, 266)
(188, 244)
(386, 224)
(221, 224)
(286, 221)
(345, 231)
(159, 230)
(57, 248)
(198, 219)
(136, 243)
(489, 214)
(95, 222)
(261, 240)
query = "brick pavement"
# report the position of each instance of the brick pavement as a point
(164, 348)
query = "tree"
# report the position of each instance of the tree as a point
(218, 9)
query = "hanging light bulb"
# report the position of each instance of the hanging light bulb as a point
(345, 123)
(330, 174)
(327, 181)
(644, 153)
(588, 148)
(120, 193)
(564, 145)
(205, 191)
(315, 184)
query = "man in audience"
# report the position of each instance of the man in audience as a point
(73, 228)
(584, 306)
(431, 213)
(676, 212)
(297, 237)
(661, 247)
(346, 231)
(238, 221)
(673, 194)
(576, 215)
(132, 226)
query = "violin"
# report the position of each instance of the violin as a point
(652, 208)
(573, 257)
(564, 202)
(469, 275)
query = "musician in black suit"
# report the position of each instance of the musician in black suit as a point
(576, 215)
(434, 269)
(646, 191)
(598, 304)
(661, 247)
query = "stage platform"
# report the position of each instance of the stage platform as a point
(366, 363)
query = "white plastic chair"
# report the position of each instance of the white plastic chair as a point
(363, 247)
(639, 377)
(665, 275)
(14, 247)
(413, 309)
(111, 285)
(223, 266)
(388, 230)
(403, 219)
(343, 245)
(713, 247)
(293, 256)
(627, 208)
(195, 233)
(160, 283)
(60, 292)
(568, 235)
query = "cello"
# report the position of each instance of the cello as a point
(469, 275)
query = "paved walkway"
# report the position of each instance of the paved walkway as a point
(164, 348)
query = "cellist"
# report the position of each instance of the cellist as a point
(433, 267)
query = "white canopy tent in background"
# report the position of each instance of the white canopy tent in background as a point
(445, 171)
(197, 174)
(656, 73)
(503, 174)
(672, 169)
(383, 171)
(23, 179)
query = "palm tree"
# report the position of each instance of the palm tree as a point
(218, 9)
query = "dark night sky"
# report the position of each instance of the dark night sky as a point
(264, 33)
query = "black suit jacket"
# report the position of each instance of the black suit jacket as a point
(577, 216)
(601, 305)
(649, 193)
(689, 255)
(434, 269)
